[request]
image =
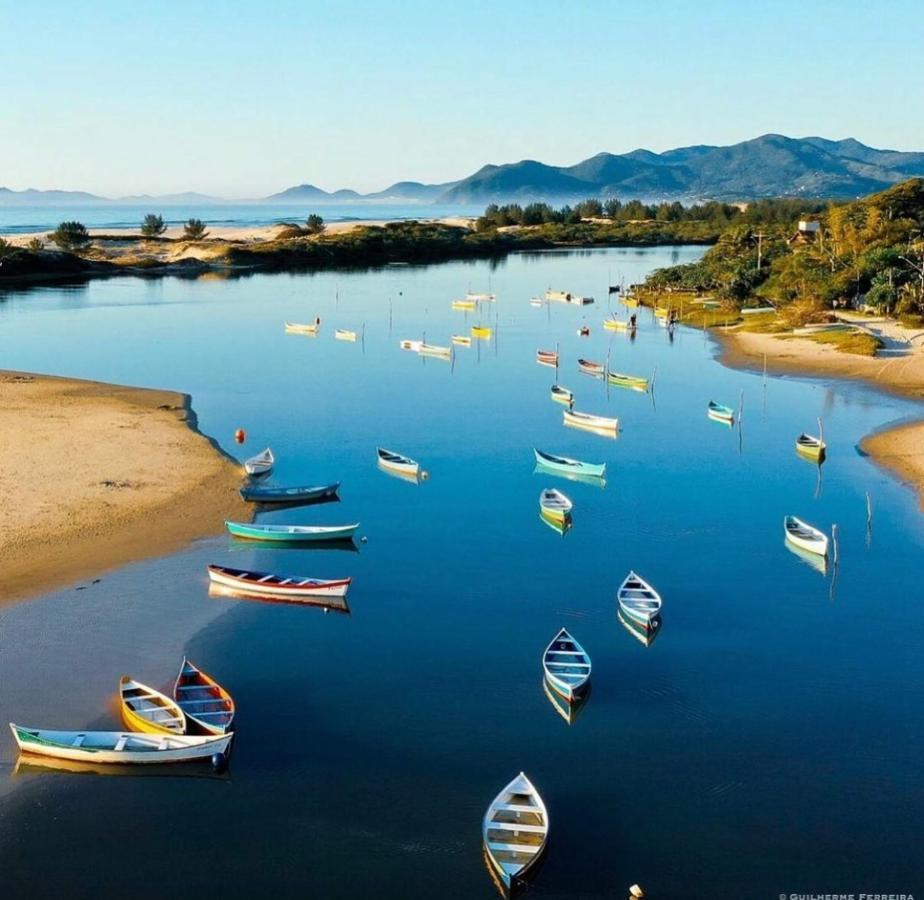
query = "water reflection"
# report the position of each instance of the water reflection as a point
(592, 480)
(559, 526)
(328, 604)
(568, 711)
(812, 560)
(29, 765)
(643, 636)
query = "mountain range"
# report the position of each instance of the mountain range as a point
(768, 166)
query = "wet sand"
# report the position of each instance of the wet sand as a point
(898, 368)
(97, 475)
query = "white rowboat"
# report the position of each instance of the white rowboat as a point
(261, 464)
(566, 666)
(341, 334)
(805, 536)
(555, 504)
(639, 601)
(118, 746)
(592, 423)
(397, 462)
(266, 584)
(515, 831)
(299, 328)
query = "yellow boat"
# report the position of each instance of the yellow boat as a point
(630, 302)
(144, 709)
(481, 331)
(615, 325)
(465, 305)
(662, 312)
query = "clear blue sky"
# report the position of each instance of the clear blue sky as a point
(242, 99)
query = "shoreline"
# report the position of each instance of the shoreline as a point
(97, 476)
(898, 449)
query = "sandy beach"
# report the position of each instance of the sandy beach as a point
(898, 368)
(96, 475)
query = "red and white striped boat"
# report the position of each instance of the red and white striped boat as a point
(547, 358)
(588, 367)
(265, 584)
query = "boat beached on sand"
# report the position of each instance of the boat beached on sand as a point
(566, 666)
(292, 533)
(515, 831)
(119, 746)
(639, 601)
(260, 494)
(204, 701)
(244, 581)
(569, 466)
(261, 464)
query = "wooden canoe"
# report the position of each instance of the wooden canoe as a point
(720, 413)
(118, 746)
(261, 464)
(515, 831)
(555, 504)
(299, 328)
(805, 536)
(266, 584)
(144, 709)
(464, 305)
(413, 346)
(292, 533)
(482, 332)
(566, 666)
(398, 462)
(547, 358)
(639, 601)
(588, 422)
(341, 334)
(615, 325)
(480, 298)
(462, 340)
(255, 494)
(632, 382)
(811, 447)
(569, 466)
(562, 394)
(435, 351)
(589, 367)
(204, 701)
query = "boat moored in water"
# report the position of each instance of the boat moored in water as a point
(566, 666)
(805, 536)
(562, 394)
(569, 466)
(291, 534)
(261, 464)
(639, 601)
(204, 701)
(144, 709)
(307, 494)
(589, 422)
(555, 505)
(267, 584)
(588, 367)
(547, 358)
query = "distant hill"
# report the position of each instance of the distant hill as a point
(768, 166)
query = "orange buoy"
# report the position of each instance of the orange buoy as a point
(240, 435)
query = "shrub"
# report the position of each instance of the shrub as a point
(36, 244)
(194, 230)
(70, 236)
(153, 226)
(314, 224)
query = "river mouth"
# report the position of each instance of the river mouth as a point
(762, 720)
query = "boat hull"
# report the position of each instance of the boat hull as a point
(244, 581)
(570, 466)
(258, 533)
(289, 495)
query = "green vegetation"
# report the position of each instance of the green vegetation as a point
(194, 230)
(36, 244)
(314, 224)
(153, 226)
(859, 342)
(867, 252)
(70, 236)
(6, 248)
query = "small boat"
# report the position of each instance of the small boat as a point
(341, 334)
(118, 746)
(589, 422)
(266, 584)
(810, 447)
(482, 331)
(292, 533)
(558, 296)
(144, 709)
(639, 601)
(588, 367)
(805, 536)
(299, 328)
(630, 303)
(464, 305)
(615, 325)
(257, 494)
(515, 831)
(562, 394)
(480, 298)
(569, 466)
(435, 351)
(397, 462)
(566, 666)
(576, 300)
(204, 701)
(261, 464)
(535, 301)
(632, 382)
(555, 504)
(662, 312)
(559, 526)
(462, 340)
(547, 358)
(413, 346)
(720, 413)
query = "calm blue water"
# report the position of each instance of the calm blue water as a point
(26, 219)
(768, 740)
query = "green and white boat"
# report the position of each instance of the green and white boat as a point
(292, 533)
(632, 382)
(567, 466)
